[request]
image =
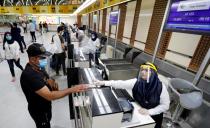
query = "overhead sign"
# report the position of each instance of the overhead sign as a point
(59, 9)
(192, 16)
(113, 17)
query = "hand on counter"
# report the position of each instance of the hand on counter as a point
(143, 111)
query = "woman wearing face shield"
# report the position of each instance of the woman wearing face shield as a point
(148, 91)
(12, 53)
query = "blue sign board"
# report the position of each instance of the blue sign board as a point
(113, 19)
(189, 15)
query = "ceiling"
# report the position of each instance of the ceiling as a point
(38, 2)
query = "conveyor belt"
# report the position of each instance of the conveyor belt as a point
(121, 67)
(115, 61)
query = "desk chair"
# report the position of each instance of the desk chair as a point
(190, 97)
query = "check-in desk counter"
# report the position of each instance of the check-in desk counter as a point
(99, 107)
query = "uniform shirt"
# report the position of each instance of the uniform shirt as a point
(12, 50)
(24, 25)
(32, 81)
(129, 84)
(57, 40)
(91, 46)
(32, 27)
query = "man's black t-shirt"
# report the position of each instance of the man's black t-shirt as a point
(31, 81)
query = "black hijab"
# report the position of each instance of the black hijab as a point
(8, 41)
(95, 36)
(148, 94)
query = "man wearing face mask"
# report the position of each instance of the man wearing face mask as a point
(12, 53)
(148, 91)
(39, 89)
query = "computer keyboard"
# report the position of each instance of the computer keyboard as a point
(122, 93)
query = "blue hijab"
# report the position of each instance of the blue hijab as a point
(148, 94)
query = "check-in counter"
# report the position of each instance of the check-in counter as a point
(98, 107)
(102, 109)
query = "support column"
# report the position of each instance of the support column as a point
(123, 9)
(135, 22)
(104, 21)
(79, 20)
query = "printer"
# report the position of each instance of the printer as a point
(127, 108)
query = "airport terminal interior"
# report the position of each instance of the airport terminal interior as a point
(104, 63)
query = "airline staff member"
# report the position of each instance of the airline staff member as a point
(147, 90)
(39, 89)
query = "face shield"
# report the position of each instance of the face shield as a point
(145, 73)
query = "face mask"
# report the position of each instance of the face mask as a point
(9, 37)
(42, 63)
(93, 37)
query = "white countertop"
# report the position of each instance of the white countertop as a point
(137, 119)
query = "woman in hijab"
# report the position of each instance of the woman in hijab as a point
(12, 53)
(148, 91)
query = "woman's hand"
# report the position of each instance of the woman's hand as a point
(98, 83)
(143, 111)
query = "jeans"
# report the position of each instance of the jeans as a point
(60, 60)
(11, 65)
(41, 118)
(33, 36)
(158, 120)
(22, 40)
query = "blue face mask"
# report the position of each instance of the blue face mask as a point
(9, 37)
(42, 63)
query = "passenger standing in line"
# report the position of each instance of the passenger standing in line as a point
(148, 91)
(65, 33)
(93, 46)
(32, 29)
(60, 54)
(15, 32)
(40, 89)
(12, 53)
(22, 37)
(40, 28)
(24, 25)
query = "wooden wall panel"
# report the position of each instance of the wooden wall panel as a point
(135, 22)
(200, 52)
(123, 9)
(155, 25)
(104, 21)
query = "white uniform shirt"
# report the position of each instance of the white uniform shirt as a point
(12, 51)
(57, 42)
(90, 46)
(24, 25)
(129, 84)
(32, 27)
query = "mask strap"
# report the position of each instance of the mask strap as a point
(148, 74)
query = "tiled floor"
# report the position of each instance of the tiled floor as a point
(13, 105)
